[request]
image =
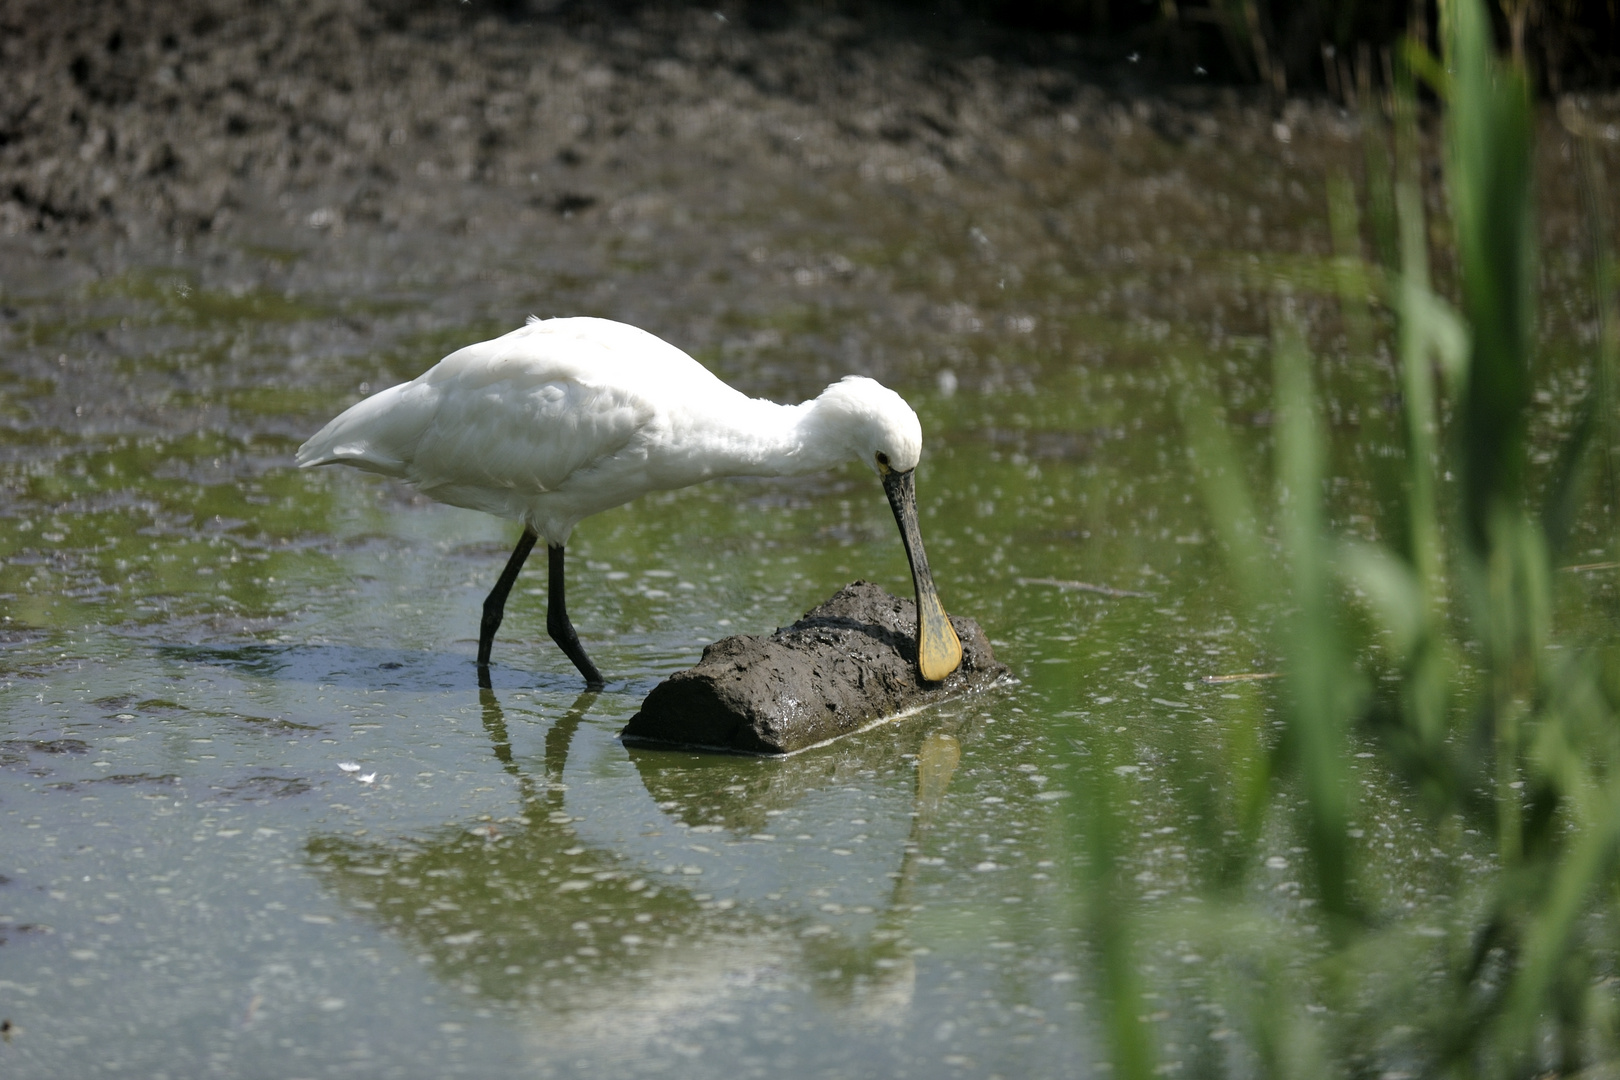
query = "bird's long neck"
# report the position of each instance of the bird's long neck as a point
(755, 437)
(792, 440)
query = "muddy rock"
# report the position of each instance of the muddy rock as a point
(849, 663)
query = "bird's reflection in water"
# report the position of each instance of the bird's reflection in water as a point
(557, 739)
(526, 910)
(877, 974)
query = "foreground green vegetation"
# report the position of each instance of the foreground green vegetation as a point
(1440, 636)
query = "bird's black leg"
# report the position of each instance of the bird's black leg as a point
(558, 626)
(495, 602)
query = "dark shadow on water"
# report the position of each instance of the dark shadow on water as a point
(367, 668)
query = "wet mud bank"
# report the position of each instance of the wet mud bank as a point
(186, 117)
(791, 193)
(847, 664)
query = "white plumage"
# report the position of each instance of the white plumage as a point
(565, 418)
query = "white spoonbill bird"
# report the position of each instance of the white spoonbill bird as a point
(565, 418)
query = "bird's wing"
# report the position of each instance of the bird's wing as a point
(529, 437)
(522, 412)
(529, 410)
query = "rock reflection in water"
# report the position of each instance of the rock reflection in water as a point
(534, 910)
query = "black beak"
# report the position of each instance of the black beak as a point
(939, 651)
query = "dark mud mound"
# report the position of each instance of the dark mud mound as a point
(847, 664)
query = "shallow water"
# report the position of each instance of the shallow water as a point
(197, 638)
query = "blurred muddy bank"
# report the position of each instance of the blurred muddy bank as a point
(792, 194)
(184, 118)
(786, 198)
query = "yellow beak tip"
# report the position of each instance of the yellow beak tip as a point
(940, 654)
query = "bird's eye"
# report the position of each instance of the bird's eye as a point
(882, 458)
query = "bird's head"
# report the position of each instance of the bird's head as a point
(879, 428)
(873, 422)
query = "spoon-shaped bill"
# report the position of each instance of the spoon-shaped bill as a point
(939, 651)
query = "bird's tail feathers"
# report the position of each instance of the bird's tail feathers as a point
(378, 434)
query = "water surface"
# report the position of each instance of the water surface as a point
(198, 638)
